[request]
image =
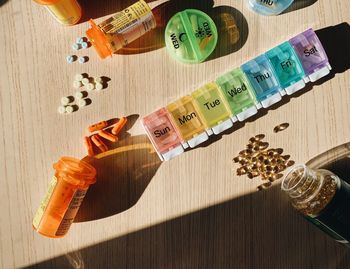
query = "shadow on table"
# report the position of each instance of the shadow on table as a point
(123, 174)
(299, 4)
(336, 42)
(2, 2)
(259, 230)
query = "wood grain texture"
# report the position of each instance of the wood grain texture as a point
(190, 212)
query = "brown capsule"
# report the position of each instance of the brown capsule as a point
(236, 159)
(286, 157)
(278, 176)
(252, 140)
(290, 163)
(271, 178)
(243, 170)
(263, 145)
(250, 175)
(243, 161)
(250, 146)
(259, 137)
(279, 150)
(281, 127)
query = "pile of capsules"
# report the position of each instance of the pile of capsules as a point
(80, 80)
(81, 43)
(257, 159)
(99, 132)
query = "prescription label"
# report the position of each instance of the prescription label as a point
(131, 23)
(71, 212)
(39, 213)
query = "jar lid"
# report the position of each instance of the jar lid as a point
(191, 36)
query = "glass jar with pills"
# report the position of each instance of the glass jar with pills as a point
(64, 196)
(121, 29)
(66, 12)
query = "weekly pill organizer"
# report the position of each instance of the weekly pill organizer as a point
(236, 95)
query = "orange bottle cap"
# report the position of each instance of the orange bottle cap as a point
(75, 172)
(46, 2)
(99, 40)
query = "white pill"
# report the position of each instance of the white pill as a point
(98, 86)
(80, 40)
(61, 109)
(66, 100)
(78, 77)
(82, 102)
(84, 45)
(77, 84)
(82, 59)
(70, 59)
(80, 95)
(85, 81)
(76, 46)
(90, 86)
(69, 109)
(98, 80)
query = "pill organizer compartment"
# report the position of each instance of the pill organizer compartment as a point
(190, 36)
(189, 121)
(311, 55)
(263, 79)
(239, 94)
(214, 108)
(163, 134)
(269, 7)
(287, 67)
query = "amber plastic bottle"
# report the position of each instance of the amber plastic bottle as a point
(64, 196)
(322, 197)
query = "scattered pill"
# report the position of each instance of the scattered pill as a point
(79, 77)
(66, 100)
(77, 84)
(69, 109)
(90, 86)
(71, 58)
(119, 125)
(85, 81)
(76, 46)
(83, 59)
(97, 126)
(84, 45)
(108, 136)
(98, 80)
(98, 86)
(88, 145)
(61, 109)
(281, 127)
(81, 95)
(99, 143)
(82, 102)
(80, 40)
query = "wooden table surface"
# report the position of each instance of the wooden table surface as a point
(190, 212)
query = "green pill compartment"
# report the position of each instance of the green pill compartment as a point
(191, 36)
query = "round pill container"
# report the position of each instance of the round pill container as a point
(64, 196)
(191, 36)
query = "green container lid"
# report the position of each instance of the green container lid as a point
(191, 36)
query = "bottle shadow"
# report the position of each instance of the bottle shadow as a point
(336, 41)
(299, 4)
(123, 173)
(2, 2)
(258, 230)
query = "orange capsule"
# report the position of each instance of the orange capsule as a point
(99, 143)
(98, 126)
(88, 145)
(119, 125)
(108, 136)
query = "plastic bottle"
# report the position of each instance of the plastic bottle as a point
(63, 198)
(322, 197)
(66, 12)
(121, 29)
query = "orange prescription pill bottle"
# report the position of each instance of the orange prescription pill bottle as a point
(63, 198)
(121, 29)
(66, 12)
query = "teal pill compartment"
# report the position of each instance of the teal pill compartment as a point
(263, 79)
(191, 36)
(287, 67)
(239, 94)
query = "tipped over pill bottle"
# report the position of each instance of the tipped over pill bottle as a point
(66, 12)
(121, 29)
(64, 196)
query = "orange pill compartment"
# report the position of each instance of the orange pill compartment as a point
(64, 196)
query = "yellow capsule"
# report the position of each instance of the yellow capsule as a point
(236, 159)
(281, 127)
(266, 162)
(279, 151)
(286, 157)
(259, 137)
(252, 140)
(263, 145)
